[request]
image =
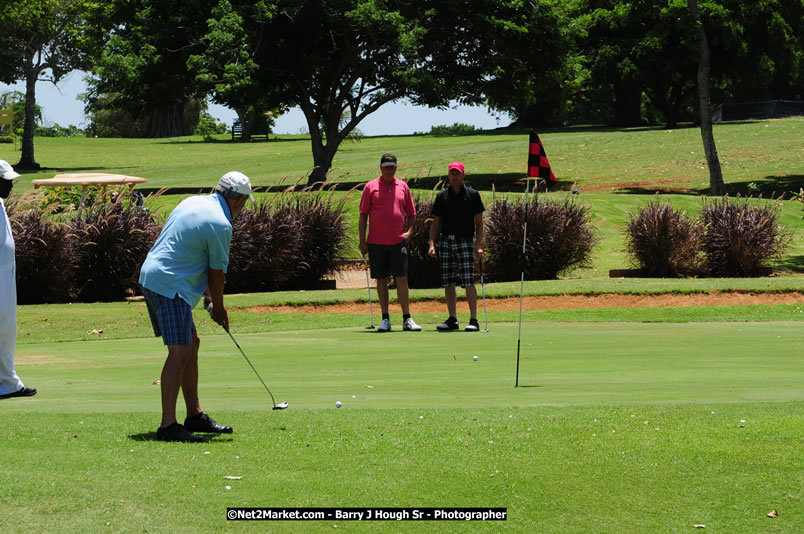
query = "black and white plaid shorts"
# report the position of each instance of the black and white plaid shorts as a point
(457, 258)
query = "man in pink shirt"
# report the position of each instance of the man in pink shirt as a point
(387, 205)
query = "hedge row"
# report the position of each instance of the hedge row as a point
(293, 240)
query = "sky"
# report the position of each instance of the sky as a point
(60, 106)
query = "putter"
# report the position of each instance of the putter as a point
(281, 405)
(371, 310)
(483, 286)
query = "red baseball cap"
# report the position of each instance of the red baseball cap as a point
(456, 165)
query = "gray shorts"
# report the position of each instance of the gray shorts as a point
(386, 260)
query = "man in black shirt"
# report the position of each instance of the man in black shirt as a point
(457, 234)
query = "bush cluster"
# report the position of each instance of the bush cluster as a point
(664, 242)
(457, 128)
(42, 260)
(740, 237)
(560, 238)
(95, 256)
(107, 244)
(732, 238)
(289, 242)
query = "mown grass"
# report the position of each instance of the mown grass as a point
(638, 160)
(655, 427)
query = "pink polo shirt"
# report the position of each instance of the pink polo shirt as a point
(387, 205)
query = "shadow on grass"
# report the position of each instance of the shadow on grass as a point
(151, 436)
(78, 169)
(792, 263)
(771, 187)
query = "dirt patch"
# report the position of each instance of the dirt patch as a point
(563, 302)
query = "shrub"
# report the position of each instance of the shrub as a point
(208, 126)
(423, 271)
(322, 234)
(41, 256)
(291, 242)
(664, 242)
(457, 128)
(740, 237)
(107, 244)
(560, 238)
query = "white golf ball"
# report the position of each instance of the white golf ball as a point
(475, 358)
(338, 404)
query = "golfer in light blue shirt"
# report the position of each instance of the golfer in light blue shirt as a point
(189, 258)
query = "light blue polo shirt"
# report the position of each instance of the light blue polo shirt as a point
(195, 238)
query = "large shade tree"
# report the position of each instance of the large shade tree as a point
(341, 60)
(44, 40)
(143, 67)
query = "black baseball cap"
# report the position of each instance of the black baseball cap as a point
(388, 160)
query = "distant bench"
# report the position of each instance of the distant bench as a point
(260, 130)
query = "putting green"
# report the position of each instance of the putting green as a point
(560, 364)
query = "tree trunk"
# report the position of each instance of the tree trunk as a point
(323, 154)
(716, 184)
(27, 160)
(628, 105)
(167, 122)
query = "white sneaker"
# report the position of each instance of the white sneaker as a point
(385, 326)
(410, 326)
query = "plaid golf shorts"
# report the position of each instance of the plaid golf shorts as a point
(171, 318)
(457, 261)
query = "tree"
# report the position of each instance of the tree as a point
(143, 68)
(341, 60)
(716, 185)
(45, 40)
(226, 68)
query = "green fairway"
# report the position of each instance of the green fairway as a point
(655, 426)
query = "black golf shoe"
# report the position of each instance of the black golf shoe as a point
(449, 324)
(203, 423)
(177, 433)
(472, 326)
(24, 392)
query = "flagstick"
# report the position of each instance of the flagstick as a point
(522, 280)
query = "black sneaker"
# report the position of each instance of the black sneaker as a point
(176, 432)
(472, 326)
(449, 324)
(203, 423)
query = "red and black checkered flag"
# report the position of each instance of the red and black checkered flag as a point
(537, 160)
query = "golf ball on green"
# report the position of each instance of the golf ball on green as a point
(475, 358)
(338, 404)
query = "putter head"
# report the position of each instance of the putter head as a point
(281, 406)
(370, 327)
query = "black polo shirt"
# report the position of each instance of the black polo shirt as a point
(457, 211)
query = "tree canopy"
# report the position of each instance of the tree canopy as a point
(46, 39)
